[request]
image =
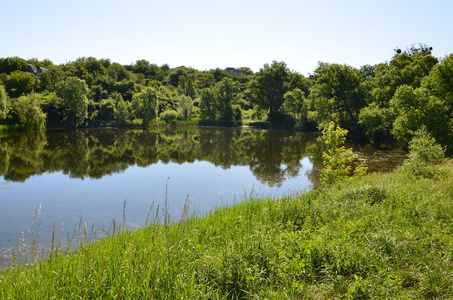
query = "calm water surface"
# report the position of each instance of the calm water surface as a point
(86, 176)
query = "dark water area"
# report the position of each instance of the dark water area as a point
(65, 179)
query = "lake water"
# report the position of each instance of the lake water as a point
(65, 179)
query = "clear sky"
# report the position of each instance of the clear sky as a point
(206, 34)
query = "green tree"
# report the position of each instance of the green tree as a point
(74, 100)
(150, 71)
(409, 106)
(295, 105)
(337, 158)
(376, 122)
(415, 108)
(89, 68)
(173, 77)
(269, 87)
(141, 66)
(97, 67)
(206, 80)
(440, 80)
(3, 103)
(237, 112)
(107, 109)
(122, 109)
(40, 64)
(11, 64)
(145, 105)
(219, 74)
(299, 81)
(51, 105)
(423, 148)
(168, 116)
(438, 87)
(430, 105)
(186, 86)
(29, 112)
(20, 83)
(424, 155)
(407, 68)
(226, 91)
(208, 104)
(185, 106)
(217, 101)
(119, 72)
(125, 87)
(337, 95)
(50, 78)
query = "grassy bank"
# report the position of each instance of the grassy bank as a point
(382, 236)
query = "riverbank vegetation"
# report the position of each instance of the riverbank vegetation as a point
(371, 236)
(380, 103)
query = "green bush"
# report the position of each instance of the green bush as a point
(169, 116)
(424, 149)
(29, 112)
(425, 154)
(337, 159)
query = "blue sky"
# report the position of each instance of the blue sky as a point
(207, 34)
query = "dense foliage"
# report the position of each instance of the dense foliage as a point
(381, 103)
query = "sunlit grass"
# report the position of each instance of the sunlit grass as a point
(382, 236)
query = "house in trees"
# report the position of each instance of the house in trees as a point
(236, 71)
(34, 70)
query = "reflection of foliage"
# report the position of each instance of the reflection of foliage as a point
(272, 156)
(22, 155)
(4, 158)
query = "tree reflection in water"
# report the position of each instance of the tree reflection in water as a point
(273, 156)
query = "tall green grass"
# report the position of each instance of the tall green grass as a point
(382, 236)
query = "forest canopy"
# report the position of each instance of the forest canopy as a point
(383, 103)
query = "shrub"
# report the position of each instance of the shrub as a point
(29, 112)
(168, 116)
(425, 154)
(338, 159)
(423, 148)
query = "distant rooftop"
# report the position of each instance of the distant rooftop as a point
(34, 70)
(236, 71)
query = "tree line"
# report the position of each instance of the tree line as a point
(380, 103)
